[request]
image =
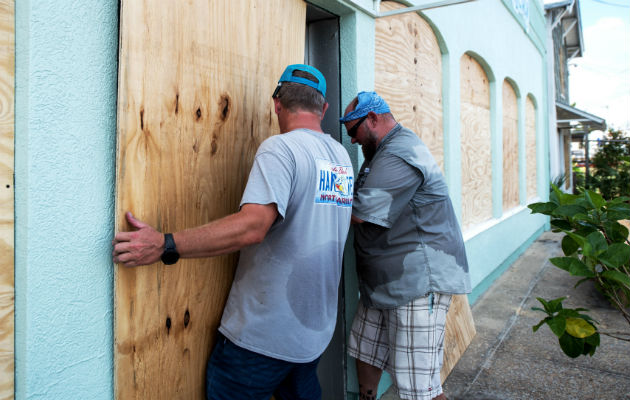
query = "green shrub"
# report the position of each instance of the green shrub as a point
(596, 248)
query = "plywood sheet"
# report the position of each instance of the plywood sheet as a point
(460, 331)
(510, 148)
(7, 92)
(195, 85)
(530, 148)
(408, 75)
(475, 143)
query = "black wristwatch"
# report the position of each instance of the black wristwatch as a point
(170, 254)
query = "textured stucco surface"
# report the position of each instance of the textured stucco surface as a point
(66, 78)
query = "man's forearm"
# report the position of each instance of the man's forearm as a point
(145, 244)
(224, 235)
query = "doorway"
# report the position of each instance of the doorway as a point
(321, 50)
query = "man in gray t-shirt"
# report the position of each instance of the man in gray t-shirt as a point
(410, 254)
(291, 229)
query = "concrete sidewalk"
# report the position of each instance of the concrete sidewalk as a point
(506, 360)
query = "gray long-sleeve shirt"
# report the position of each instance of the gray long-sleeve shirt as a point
(410, 243)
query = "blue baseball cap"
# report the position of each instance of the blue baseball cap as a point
(368, 101)
(287, 76)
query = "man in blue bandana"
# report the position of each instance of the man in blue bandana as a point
(291, 229)
(410, 255)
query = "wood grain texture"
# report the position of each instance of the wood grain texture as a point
(510, 148)
(460, 331)
(195, 85)
(408, 75)
(7, 119)
(475, 143)
(530, 148)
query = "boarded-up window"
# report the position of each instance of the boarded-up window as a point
(510, 147)
(7, 79)
(476, 145)
(408, 74)
(530, 147)
(196, 79)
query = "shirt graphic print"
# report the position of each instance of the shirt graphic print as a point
(335, 184)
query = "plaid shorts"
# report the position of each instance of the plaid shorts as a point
(407, 342)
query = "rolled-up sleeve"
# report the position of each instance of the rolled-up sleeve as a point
(386, 189)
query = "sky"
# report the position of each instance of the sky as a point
(599, 81)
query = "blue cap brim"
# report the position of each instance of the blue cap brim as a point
(287, 76)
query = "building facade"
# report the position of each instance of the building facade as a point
(470, 77)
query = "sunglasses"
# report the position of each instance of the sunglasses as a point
(352, 132)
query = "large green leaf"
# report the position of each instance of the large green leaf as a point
(551, 306)
(615, 231)
(595, 199)
(593, 339)
(558, 325)
(618, 277)
(568, 210)
(579, 328)
(538, 325)
(571, 346)
(561, 224)
(569, 246)
(618, 254)
(595, 244)
(573, 266)
(542, 208)
(618, 200)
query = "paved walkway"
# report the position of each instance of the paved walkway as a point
(507, 361)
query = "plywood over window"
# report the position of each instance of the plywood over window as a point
(510, 147)
(7, 94)
(195, 85)
(476, 143)
(408, 74)
(530, 148)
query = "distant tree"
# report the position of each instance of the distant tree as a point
(611, 163)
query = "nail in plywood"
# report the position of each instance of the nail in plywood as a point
(408, 71)
(408, 74)
(476, 143)
(510, 148)
(530, 147)
(7, 94)
(195, 85)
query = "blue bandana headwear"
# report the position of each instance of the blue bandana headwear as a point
(368, 101)
(287, 76)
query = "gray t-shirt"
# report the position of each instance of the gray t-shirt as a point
(410, 243)
(283, 302)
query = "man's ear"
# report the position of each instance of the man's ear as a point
(277, 106)
(324, 110)
(372, 119)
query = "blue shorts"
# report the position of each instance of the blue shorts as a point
(234, 373)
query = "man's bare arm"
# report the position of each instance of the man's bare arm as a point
(231, 233)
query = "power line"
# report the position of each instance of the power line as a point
(612, 4)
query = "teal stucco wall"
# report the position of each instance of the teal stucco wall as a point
(66, 78)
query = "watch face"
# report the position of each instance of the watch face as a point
(170, 257)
